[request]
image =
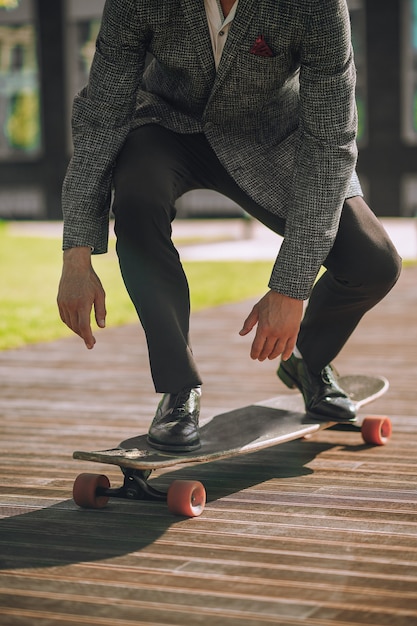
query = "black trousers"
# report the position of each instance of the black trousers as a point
(155, 167)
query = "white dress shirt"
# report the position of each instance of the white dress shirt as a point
(219, 26)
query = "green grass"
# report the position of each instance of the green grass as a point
(30, 271)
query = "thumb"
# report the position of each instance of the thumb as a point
(100, 311)
(249, 323)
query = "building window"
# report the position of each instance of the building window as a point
(20, 119)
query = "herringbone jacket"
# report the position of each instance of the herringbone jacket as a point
(283, 126)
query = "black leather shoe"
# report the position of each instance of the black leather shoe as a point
(323, 397)
(175, 425)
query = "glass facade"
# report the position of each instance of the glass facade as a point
(409, 73)
(20, 117)
(35, 132)
(409, 101)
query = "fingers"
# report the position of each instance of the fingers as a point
(267, 347)
(78, 320)
(289, 349)
(83, 329)
(277, 318)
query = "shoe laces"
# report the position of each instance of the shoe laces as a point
(329, 376)
(180, 402)
(185, 404)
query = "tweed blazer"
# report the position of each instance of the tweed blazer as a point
(283, 126)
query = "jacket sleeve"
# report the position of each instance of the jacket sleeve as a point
(101, 119)
(327, 150)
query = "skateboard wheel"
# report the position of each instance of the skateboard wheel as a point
(376, 430)
(186, 497)
(84, 491)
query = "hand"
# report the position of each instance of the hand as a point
(79, 290)
(278, 320)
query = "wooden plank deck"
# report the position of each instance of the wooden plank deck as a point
(319, 532)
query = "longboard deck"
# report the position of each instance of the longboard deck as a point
(246, 429)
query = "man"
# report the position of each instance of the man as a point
(254, 99)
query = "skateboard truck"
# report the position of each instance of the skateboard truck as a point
(135, 487)
(184, 497)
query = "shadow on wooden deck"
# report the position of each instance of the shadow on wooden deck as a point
(322, 531)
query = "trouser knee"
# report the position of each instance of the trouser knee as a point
(363, 257)
(383, 273)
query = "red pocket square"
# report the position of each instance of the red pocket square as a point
(261, 48)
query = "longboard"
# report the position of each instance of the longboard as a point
(240, 431)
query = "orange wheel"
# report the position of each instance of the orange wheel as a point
(376, 430)
(186, 497)
(84, 491)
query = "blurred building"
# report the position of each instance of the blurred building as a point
(46, 47)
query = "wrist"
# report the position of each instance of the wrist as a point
(80, 255)
(283, 296)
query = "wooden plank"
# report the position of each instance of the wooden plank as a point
(322, 531)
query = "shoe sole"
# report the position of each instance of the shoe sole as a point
(316, 417)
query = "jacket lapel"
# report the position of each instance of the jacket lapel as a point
(245, 12)
(195, 16)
